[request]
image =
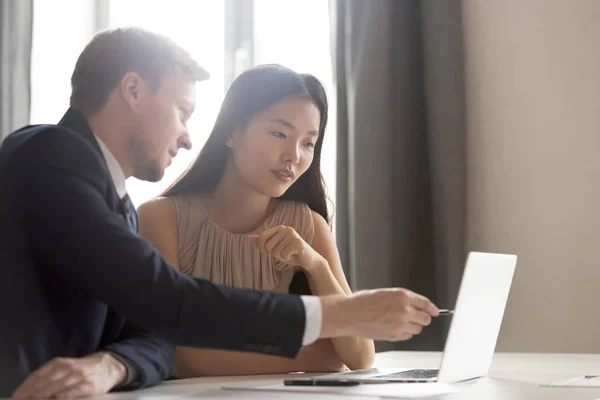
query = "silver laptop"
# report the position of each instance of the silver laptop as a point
(473, 330)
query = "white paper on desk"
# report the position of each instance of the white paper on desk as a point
(387, 390)
(582, 381)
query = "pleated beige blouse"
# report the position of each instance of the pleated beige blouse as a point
(206, 250)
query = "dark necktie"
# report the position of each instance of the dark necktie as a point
(130, 213)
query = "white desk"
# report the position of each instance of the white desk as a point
(513, 376)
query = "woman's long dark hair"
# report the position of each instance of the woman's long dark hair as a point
(251, 93)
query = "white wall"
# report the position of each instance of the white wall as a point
(533, 101)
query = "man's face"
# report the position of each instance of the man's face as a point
(160, 127)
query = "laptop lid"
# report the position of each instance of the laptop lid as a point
(478, 314)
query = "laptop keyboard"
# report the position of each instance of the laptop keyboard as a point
(412, 374)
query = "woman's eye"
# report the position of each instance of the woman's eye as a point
(279, 134)
(310, 145)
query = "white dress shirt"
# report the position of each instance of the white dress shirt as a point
(312, 305)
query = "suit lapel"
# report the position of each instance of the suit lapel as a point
(76, 122)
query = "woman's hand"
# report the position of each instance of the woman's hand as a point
(285, 244)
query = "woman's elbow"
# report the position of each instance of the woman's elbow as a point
(364, 357)
(364, 361)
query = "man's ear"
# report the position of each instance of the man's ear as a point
(131, 87)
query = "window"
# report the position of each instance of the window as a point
(197, 26)
(55, 48)
(294, 33)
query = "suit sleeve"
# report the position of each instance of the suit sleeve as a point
(58, 182)
(147, 356)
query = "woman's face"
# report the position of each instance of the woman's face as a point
(277, 146)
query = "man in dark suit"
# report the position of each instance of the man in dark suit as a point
(86, 305)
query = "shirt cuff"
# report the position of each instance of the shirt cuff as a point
(132, 371)
(313, 313)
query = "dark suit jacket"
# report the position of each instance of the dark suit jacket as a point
(67, 255)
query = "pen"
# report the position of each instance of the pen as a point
(319, 382)
(446, 312)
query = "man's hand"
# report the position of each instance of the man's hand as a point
(383, 314)
(93, 375)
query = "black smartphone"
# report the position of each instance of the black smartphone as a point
(320, 382)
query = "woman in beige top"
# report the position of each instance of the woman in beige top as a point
(251, 212)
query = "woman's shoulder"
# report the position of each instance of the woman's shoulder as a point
(157, 208)
(158, 222)
(182, 210)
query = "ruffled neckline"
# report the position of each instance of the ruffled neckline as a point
(263, 226)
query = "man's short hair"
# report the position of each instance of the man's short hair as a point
(113, 53)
